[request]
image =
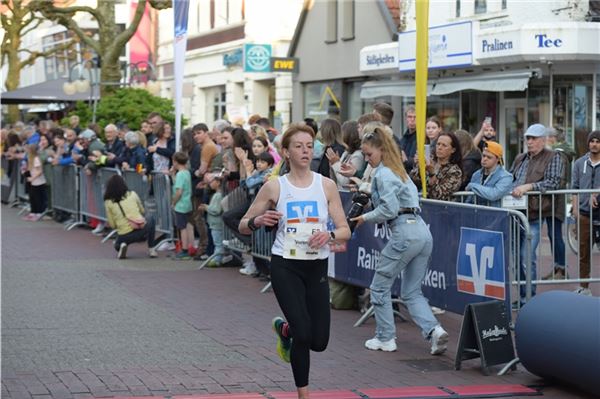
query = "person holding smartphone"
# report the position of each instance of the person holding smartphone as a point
(396, 202)
(485, 134)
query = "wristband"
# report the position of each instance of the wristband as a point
(251, 224)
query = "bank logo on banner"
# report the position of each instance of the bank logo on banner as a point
(302, 212)
(257, 58)
(480, 263)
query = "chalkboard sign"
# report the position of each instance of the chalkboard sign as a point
(485, 333)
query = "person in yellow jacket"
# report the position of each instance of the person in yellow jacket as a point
(125, 213)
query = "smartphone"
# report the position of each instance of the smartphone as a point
(488, 120)
(427, 151)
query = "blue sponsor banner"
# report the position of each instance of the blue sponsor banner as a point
(469, 262)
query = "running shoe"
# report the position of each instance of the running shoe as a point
(284, 344)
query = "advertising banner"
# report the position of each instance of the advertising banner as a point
(469, 262)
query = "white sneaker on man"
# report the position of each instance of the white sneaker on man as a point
(248, 269)
(375, 344)
(439, 340)
(152, 253)
(583, 291)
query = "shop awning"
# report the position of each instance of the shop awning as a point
(402, 88)
(501, 81)
(50, 91)
(497, 81)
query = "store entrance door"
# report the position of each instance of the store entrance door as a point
(513, 122)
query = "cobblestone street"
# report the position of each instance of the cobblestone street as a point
(78, 323)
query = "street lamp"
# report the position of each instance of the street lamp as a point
(142, 75)
(81, 84)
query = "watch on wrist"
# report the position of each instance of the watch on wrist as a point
(251, 224)
(331, 236)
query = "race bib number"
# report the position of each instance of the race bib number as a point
(295, 242)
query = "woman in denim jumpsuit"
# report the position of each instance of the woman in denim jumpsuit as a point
(395, 201)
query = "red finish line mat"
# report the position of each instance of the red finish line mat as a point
(452, 392)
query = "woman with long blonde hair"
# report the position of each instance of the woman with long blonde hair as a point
(396, 202)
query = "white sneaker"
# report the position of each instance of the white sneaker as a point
(226, 259)
(583, 291)
(99, 229)
(152, 253)
(439, 340)
(166, 246)
(248, 269)
(375, 344)
(436, 310)
(122, 251)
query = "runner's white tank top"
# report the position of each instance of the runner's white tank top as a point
(301, 205)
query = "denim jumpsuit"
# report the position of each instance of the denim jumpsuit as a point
(407, 253)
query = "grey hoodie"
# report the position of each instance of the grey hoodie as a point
(585, 177)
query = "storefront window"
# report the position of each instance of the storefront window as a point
(573, 108)
(476, 106)
(597, 102)
(444, 107)
(538, 101)
(356, 105)
(323, 100)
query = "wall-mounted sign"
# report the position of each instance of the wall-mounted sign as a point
(233, 58)
(257, 57)
(449, 46)
(534, 42)
(379, 57)
(279, 64)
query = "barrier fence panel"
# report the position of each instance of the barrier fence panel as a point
(233, 200)
(22, 198)
(262, 241)
(471, 261)
(558, 232)
(90, 198)
(9, 175)
(161, 185)
(65, 189)
(137, 183)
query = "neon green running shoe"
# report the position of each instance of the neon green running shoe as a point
(284, 344)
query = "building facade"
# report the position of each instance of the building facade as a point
(228, 48)
(516, 62)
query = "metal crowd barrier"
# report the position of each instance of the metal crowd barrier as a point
(9, 173)
(237, 197)
(65, 189)
(21, 196)
(570, 232)
(161, 185)
(137, 183)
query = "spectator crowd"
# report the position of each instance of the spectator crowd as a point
(212, 161)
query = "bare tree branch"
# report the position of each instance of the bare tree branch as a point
(123, 37)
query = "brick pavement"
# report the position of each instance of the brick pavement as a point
(77, 323)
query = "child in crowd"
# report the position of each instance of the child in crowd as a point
(264, 163)
(214, 212)
(37, 190)
(182, 204)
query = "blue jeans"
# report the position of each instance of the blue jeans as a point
(407, 252)
(217, 236)
(558, 245)
(534, 227)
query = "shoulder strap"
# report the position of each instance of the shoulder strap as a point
(121, 208)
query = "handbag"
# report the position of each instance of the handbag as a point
(134, 223)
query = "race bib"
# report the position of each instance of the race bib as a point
(295, 242)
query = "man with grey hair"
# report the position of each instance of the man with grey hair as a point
(134, 155)
(539, 169)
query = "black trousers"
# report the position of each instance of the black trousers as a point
(37, 198)
(137, 235)
(302, 291)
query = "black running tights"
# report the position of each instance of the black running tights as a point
(302, 290)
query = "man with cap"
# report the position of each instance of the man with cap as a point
(586, 175)
(492, 182)
(539, 169)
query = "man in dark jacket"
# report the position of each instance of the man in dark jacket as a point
(539, 169)
(408, 143)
